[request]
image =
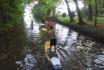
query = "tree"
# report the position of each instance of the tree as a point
(95, 12)
(90, 10)
(90, 4)
(69, 12)
(63, 14)
(11, 11)
(45, 8)
(78, 12)
(100, 7)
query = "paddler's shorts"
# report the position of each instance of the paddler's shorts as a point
(53, 42)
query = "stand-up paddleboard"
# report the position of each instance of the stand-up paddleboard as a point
(44, 29)
(52, 56)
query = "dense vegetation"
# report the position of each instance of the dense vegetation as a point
(45, 8)
(11, 13)
(12, 34)
(95, 11)
(92, 11)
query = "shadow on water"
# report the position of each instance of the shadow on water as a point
(11, 43)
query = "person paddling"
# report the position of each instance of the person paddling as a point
(51, 32)
(32, 25)
(52, 37)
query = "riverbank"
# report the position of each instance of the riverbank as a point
(88, 30)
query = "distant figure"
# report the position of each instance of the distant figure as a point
(32, 25)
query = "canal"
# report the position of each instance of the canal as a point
(77, 52)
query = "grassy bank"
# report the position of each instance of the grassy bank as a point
(88, 30)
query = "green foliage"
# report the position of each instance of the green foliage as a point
(44, 8)
(100, 20)
(63, 14)
(29, 1)
(76, 20)
(11, 12)
(97, 10)
(67, 19)
(92, 2)
(63, 19)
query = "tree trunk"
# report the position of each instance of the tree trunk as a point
(78, 12)
(103, 3)
(90, 11)
(69, 12)
(54, 15)
(95, 12)
(49, 12)
(2, 13)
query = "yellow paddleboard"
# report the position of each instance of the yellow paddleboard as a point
(47, 48)
(52, 56)
(45, 29)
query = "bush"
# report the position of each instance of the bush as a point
(67, 19)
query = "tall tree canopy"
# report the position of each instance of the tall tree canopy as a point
(11, 11)
(45, 8)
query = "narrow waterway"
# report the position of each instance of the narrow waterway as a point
(23, 49)
(77, 52)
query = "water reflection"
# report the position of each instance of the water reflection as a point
(61, 33)
(27, 60)
(78, 52)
